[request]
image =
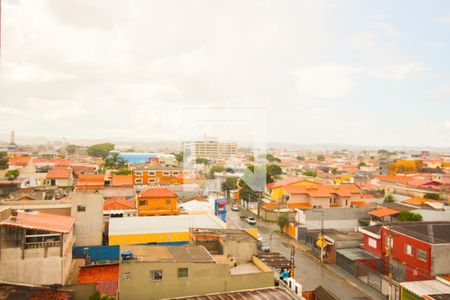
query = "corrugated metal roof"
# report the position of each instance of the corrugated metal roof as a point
(262, 294)
(162, 224)
(426, 287)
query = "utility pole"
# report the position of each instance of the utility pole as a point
(292, 262)
(322, 236)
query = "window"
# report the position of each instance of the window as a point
(81, 208)
(152, 180)
(156, 275)
(175, 173)
(143, 202)
(126, 275)
(408, 249)
(138, 181)
(182, 272)
(166, 173)
(138, 173)
(151, 173)
(422, 255)
(372, 243)
(168, 201)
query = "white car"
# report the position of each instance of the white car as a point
(251, 220)
(235, 208)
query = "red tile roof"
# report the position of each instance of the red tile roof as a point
(97, 178)
(343, 190)
(122, 180)
(40, 221)
(19, 160)
(59, 173)
(118, 204)
(157, 193)
(106, 277)
(383, 212)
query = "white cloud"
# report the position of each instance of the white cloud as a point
(326, 81)
(445, 20)
(397, 72)
(441, 94)
(388, 29)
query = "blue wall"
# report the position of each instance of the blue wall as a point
(97, 253)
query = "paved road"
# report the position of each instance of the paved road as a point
(309, 271)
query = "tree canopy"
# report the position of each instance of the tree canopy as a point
(229, 184)
(300, 158)
(433, 196)
(407, 216)
(71, 149)
(115, 161)
(179, 156)
(283, 220)
(389, 199)
(3, 160)
(100, 150)
(272, 158)
(320, 158)
(215, 169)
(310, 173)
(12, 174)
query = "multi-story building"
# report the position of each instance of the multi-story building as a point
(87, 209)
(35, 248)
(157, 201)
(416, 250)
(209, 148)
(161, 272)
(323, 196)
(162, 175)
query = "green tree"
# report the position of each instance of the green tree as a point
(202, 160)
(272, 172)
(320, 158)
(433, 196)
(310, 173)
(272, 158)
(179, 156)
(389, 199)
(228, 185)
(300, 158)
(98, 296)
(100, 150)
(3, 160)
(115, 161)
(361, 164)
(71, 149)
(283, 220)
(12, 174)
(123, 172)
(334, 171)
(215, 169)
(407, 216)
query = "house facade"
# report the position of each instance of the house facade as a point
(35, 248)
(157, 201)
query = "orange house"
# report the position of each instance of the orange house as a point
(161, 175)
(157, 201)
(90, 182)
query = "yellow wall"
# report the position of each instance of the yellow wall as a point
(252, 231)
(278, 192)
(157, 206)
(148, 238)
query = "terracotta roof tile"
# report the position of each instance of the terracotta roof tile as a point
(106, 277)
(59, 173)
(383, 212)
(285, 182)
(343, 190)
(122, 180)
(19, 160)
(118, 204)
(40, 221)
(157, 193)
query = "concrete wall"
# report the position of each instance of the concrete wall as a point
(341, 218)
(440, 257)
(203, 278)
(88, 223)
(242, 250)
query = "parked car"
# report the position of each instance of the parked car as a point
(243, 217)
(235, 208)
(265, 248)
(251, 220)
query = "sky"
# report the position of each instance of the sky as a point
(302, 72)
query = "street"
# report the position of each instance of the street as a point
(309, 271)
